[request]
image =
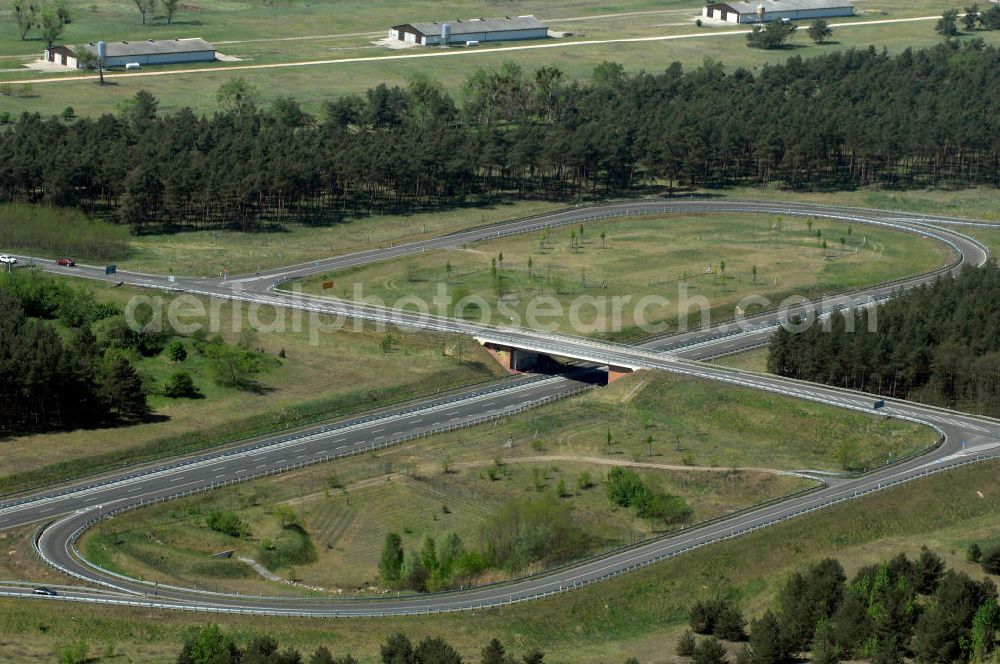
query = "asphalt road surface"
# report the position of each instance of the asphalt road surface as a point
(73, 508)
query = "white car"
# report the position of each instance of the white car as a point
(10, 260)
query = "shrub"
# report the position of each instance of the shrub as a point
(625, 487)
(176, 351)
(232, 367)
(292, 547)
(685, 644)
(709, 651)
(666, 508)
(991, 560)
(180, 385)
(974, 554)
(227, 522)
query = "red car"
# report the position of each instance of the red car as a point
(65, 262)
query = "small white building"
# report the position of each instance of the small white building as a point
(764, 11)
(473, 30)
(150, 52)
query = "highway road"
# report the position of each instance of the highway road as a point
(74, 508)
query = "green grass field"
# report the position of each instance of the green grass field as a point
(640, 614)
(751, 360)
(345, 371)
(453, 482)
(666, 257)
(259, 32)
(207, 253)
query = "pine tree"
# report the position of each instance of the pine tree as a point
(397, 650)
(122, 388)
(768, 643)
(494, 653)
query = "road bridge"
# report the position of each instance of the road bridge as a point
(72, 509)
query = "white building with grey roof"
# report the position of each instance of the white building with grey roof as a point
(149, 52)
(764, 11)
(470, 30)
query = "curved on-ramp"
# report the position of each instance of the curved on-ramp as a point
(964, 438)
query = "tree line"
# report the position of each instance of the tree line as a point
(210, 645)
(926, 121)
(936, 344)
(60, 232)
(50, 381)
(889, 612)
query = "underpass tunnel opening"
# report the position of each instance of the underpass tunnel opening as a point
(517, 360)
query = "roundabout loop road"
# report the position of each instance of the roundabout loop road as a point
(964, 438)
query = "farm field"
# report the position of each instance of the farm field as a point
(343, 372)
(639, 614)
(678, 434)
(690, 259)
(264, 35)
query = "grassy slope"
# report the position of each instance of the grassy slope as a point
(638, 614)
(405, 487)
(344, 372)
(651, 257)
(236, 21)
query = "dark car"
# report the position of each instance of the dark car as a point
(66, 262)
(42, 590)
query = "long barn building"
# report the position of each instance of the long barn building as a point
(776, 10)
(149, 52)
(474, 30)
